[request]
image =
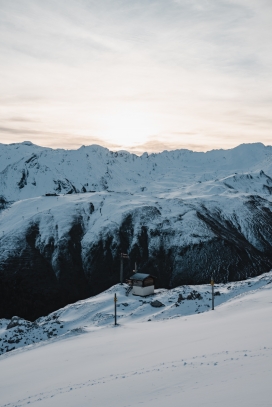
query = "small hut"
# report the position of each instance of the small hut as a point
(142, 284)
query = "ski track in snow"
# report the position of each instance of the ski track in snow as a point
(196, 362)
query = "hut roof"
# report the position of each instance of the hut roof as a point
(140, 276)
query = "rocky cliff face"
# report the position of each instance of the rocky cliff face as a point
(180, 215)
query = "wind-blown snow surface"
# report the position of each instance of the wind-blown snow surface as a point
(217, 358)
(181, 215)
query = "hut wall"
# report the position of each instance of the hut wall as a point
(143, 291)
(148, 281)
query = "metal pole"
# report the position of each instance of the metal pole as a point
(212, 284)
(135, 267)
(115, 309)
(121, 269)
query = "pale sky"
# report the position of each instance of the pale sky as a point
(139, 75)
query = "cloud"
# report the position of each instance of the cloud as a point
(158, 146)
(51, 139)
(19, 119)
(198, 71)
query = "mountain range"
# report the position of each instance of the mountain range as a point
(66, 215)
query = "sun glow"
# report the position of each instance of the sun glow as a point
(127, 127)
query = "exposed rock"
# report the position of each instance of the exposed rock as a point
(157, 304)
(15, 321)
(180, 298)
(194, 295)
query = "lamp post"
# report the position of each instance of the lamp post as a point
(212, 284)
(115, 309)
(123, 256)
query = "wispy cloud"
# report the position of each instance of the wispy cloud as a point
(51, 139)
(19, 119)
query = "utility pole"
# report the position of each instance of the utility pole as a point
(115, 309)
(123, 256)
(212, 284)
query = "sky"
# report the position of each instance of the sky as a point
(139, 75)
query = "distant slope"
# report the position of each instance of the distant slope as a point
(27, 170)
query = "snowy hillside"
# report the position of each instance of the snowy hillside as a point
(98, 311)
(217, 358)
(180, 215)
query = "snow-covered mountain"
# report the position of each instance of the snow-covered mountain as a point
(65, 217)
(28, 171)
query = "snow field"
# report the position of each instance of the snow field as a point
(219, 358)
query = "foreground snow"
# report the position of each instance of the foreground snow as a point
(217, 358)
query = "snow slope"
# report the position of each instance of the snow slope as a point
(217, 358)
(97, 311)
